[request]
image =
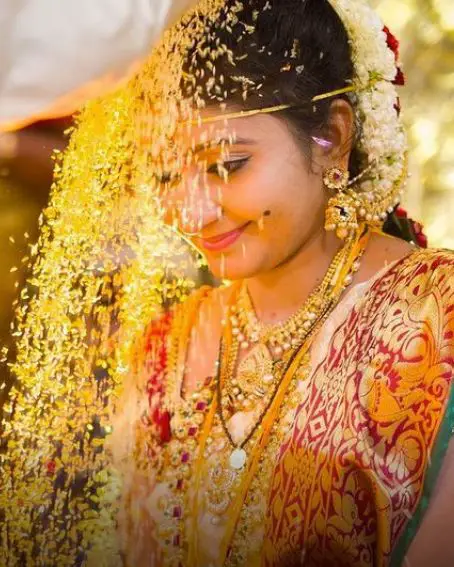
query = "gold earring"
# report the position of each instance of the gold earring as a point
(341, 215)
(336, 178)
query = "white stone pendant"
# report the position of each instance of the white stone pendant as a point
(238, 459)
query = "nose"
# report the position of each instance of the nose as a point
(193, 217)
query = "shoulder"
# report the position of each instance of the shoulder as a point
(413, 297)
(420, 272)
(430, 270)
(432, 259)
(390, 256)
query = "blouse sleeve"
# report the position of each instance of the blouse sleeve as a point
(56, 54)
(436, 298)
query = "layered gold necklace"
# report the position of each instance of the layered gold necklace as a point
(250, 383)
(268, 372)
(283, 337)
(259, 383)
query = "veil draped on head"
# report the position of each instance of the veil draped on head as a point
(103, 268)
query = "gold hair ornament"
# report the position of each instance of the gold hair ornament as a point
(272, 109)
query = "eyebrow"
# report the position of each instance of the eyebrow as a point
(213, 144)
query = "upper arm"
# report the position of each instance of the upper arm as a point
(434, 541)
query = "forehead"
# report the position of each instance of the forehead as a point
(213, 132)
(212, 128)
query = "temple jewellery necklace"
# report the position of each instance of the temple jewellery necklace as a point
(258, 373)
(261, 372)
(239, 454)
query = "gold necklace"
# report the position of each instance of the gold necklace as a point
(283, 336)
(257, 374)
(339, 276)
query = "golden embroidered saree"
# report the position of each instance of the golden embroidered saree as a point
(347, 478)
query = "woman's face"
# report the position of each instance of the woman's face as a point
(272, 203)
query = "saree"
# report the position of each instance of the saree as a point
(365, 432)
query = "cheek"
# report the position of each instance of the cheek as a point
(298, 216)
(249, 193)
(290, 192)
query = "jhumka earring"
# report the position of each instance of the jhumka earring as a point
(341, 211)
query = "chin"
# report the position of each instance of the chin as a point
(233, 268)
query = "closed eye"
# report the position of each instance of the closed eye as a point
(227, 167)
(221, 168)
(168, 178)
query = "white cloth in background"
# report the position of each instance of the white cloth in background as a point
(54, 54)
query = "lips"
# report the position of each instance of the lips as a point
(225, 240)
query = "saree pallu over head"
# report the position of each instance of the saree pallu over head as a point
(355, 471)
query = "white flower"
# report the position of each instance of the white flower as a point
(383, 141)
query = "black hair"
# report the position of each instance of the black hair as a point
(279, 52)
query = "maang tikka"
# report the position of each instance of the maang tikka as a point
(341, 213)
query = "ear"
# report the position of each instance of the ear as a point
(340, 133)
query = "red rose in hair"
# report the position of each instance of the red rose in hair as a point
(399, 79)
(401, 213)
(392, 41)
(421, 238)
(418, 229)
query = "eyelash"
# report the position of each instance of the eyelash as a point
(231, 166)
(168, 179)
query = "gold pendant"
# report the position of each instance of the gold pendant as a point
(256, 368)
(221, 483)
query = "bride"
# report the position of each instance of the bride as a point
(300, 412)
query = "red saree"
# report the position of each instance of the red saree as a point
(353, 475)
(355, 467)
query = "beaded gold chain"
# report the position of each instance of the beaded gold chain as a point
(251, 383)
(314, 310)
(284, 336)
